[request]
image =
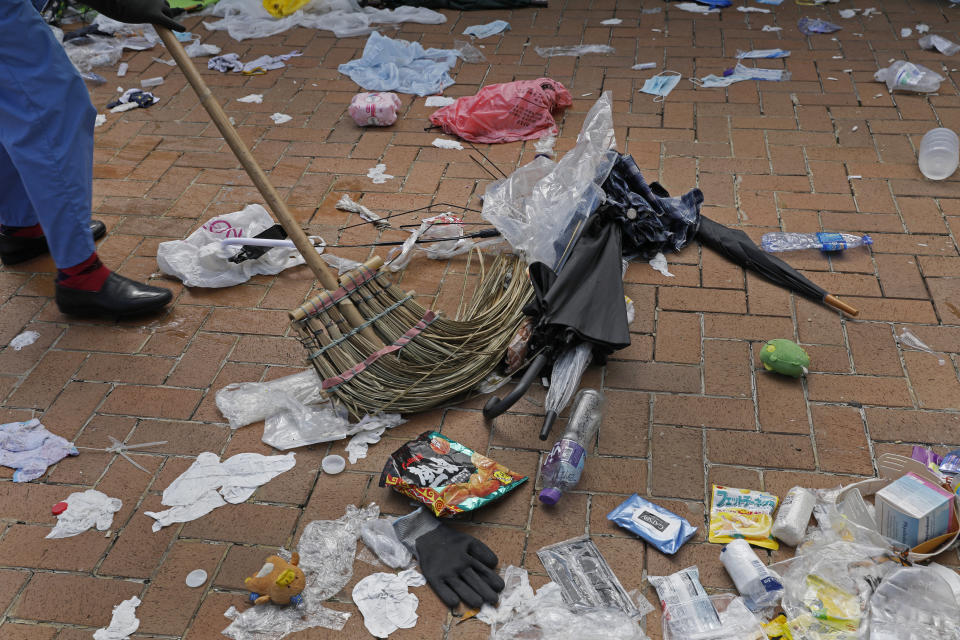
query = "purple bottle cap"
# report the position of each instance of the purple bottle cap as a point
(550, 495)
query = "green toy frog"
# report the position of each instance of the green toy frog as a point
(786, 357)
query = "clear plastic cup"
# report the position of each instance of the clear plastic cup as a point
(939, 154)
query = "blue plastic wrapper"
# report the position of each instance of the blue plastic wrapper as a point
(663, 529)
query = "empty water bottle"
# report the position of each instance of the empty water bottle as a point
(563, 466)
(939, 153)
(778, 241)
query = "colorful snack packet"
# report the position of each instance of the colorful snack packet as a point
(742, 513)
(446, 476)
(663, 529)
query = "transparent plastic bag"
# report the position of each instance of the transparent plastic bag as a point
(574, 50)
(380, 537)
(327, 549)
(914, 603)
(907, 76)
(468, 53)
(939, 43)
(248, 402)
(540, 206)
(734, 620)
(522, 614)
(95, 52)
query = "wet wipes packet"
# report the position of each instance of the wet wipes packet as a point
(663, 529)
(742, 513)
(446, 476)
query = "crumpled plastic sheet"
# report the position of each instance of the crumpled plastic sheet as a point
(914, 603)
(810, 26)
(693, 7)
(209, 483)
(85, 509)
(538, 207)
(327, 549)
(386, 603)
(24, 339)
(280, 118)
(447, 232)
(29, 448)
(380, 537)
(298, 425)
(522, 614)
(232, 62)
(244, 19)
(201, 260)
(123, 623)
(941, 44)
(468, 53)
(346, 203)
(248, 402)
(253, 98)
(574, 50)
(401, 66)
(100, 51)
(909, 76)
(659, 263)
(378, 174)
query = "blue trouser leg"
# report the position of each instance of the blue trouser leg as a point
(46, 135)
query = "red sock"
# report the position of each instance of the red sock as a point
(22, 232)
(89, 275)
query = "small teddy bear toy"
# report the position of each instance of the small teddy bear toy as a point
(278, 581)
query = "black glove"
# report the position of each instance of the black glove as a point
(457, 566)
(156, 12)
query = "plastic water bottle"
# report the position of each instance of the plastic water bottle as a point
(939, 151)
(759, 586)
(562, 468)
(778, 241)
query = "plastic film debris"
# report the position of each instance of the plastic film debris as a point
(574, 50)
(327, 549)
(249, 402)
(380, 537)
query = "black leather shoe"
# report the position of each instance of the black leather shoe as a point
(117, 297)
(14, 250)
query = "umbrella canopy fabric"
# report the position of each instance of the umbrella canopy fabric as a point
(737, 247)
(584, 301)
(652, 221)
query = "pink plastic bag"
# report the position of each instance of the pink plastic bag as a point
(520, 110)
(377, 109)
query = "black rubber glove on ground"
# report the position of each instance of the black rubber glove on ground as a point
(156, 12)
(457, 566)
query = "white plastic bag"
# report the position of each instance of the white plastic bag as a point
(907, 76)
(200, 260)
(540, 206)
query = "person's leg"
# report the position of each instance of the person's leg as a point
(46, 129)
(17, 216)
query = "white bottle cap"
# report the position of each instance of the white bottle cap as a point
(333, 464)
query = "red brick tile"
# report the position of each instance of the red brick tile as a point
(47, 379)
(169, 604)
(841, 440)
(678, 337)
(727, 368)
(677, 462)
(696, 411)
(159, 402)
(886, 392)
(760, 449)
(73, 599)
(936, 386)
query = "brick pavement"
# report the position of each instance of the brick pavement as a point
(688, 404)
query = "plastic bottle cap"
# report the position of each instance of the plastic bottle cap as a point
(333, 464)
(196, 578)
(59, 508)
(550, 495)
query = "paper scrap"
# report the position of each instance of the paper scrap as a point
(27, 338)
(923, 28)
(439, 101)
(848, 13)
(659, 263)
(280, 118)
(378, 175)
(84, 510)
(386, 603)
(123, 623)
(209, 483)
(906, 32)
(611, 21)
(253, 98)
(122, 69)
(100, 120)
(442, 143)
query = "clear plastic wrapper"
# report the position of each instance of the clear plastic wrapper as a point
(585, 578)
(939, 43)
(810, 26)
(907, 76)
(468, 53)
(542, 204)
(566, 375)
(93, 52)
(685, 603)
(914, 603)
(793, 516)
(574, 50)
(244, 19)
(522, 614)
(327, 549)
(734, 620)
(249, 402)
(380, 537)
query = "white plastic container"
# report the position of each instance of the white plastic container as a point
(759, 586)
(939, 153)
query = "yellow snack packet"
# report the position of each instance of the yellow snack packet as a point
(281, 8)
(742, 513)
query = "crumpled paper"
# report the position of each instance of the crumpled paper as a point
(123, 623)
(327, 549)
(210, 483)
(29, 448)
(85, 509)
(358, 445)
(385, 603)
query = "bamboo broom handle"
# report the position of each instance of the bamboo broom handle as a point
(837, 303)
(260, 180)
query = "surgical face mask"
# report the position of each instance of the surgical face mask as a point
(741, 73)
(661, 85)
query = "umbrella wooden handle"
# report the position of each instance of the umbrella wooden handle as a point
(327, 279)
(837, 303)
